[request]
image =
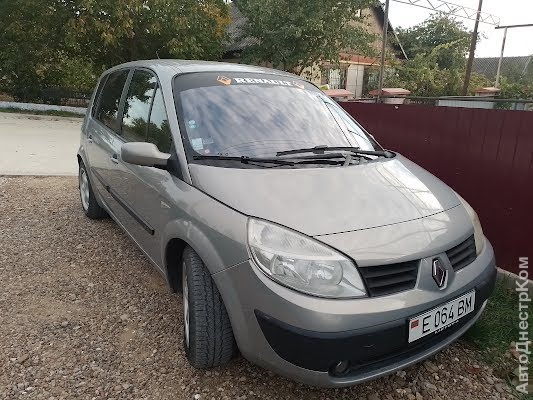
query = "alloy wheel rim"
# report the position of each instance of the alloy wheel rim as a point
(84, 189)
(185, 304)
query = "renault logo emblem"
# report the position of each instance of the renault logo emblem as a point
(224, 79)
(440, 274)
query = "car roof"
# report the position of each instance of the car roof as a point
(174, 67)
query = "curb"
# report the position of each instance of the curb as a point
(42, 107)
(508, 279)
(39, 116)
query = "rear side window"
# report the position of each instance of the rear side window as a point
(137, 106)
(108, 109)
(97, 96)
(158, 128)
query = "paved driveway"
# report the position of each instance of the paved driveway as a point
(38, 145)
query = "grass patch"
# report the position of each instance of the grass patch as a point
(55, 113)
(498, 326)
(494, 332)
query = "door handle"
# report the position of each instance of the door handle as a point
(90, 139)
(114, 158)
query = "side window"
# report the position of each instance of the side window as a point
(108, 109)
(97, 95)
(158, 128)
(137, 106)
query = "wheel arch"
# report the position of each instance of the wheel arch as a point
(172, 259)
(177, 236)
(81, 155)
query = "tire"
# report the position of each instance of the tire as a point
(207, 333)
(90, 206)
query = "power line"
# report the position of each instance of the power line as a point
(453, 9)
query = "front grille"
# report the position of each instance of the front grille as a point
(388, 279)
(462, 254)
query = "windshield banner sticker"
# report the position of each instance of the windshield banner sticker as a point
(252, 81)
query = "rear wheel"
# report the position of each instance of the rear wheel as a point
(88, 202)
(207, 334)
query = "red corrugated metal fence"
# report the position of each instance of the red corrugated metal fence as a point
(485, 155)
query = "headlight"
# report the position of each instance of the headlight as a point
(302, 263)
(478, 231)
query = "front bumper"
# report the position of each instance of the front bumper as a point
(303, 337)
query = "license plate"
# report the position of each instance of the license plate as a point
(441, 317)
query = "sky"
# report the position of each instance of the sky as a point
(519, 40)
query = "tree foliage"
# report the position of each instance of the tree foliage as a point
(70, 42)
(516, 88)
(441, 37)
(436, 49)
(293, 35)
(423, 77)
(30, 46)
(115, 31)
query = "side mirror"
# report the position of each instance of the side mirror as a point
(144, 154)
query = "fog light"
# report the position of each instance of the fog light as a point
(341, 367)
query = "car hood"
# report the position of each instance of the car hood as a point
(320, 201)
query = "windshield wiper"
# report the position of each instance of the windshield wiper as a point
(329, 159)
(322, 148)
(245, 159)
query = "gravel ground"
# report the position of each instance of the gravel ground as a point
(84, 315)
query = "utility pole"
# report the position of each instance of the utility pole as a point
(497, 83)
(383, 48)
(473, 42)
(505, 27)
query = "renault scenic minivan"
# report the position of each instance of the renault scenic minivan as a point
(294, 238)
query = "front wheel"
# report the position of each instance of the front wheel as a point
(207, 334)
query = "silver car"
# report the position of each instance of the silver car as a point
(292, 235)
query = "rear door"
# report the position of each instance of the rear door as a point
(103, 140)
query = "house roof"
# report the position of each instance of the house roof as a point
(489, 65)
(237, 43)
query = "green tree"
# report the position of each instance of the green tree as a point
(520, 88)
(47, 43)
(117, 31)
(436, 51)
(294, 35)
(30, 45)
(441, 37)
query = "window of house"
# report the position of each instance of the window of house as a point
(108, 108)
(334, 77)
(137, 106)
(158, 128)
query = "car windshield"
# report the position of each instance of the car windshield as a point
(259, 115)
